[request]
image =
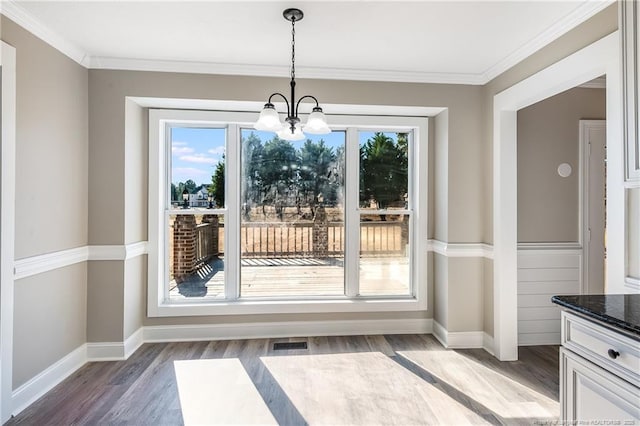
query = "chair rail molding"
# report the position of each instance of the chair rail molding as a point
(41, 263)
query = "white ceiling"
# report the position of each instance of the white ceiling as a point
(423, 41)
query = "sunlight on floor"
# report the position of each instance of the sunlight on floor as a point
(363, 389)
(219, 392)
(495, 391)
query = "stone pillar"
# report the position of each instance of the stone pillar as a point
(213, 234)
(184, 246)
(320, 233)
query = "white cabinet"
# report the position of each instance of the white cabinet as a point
(599, 370)
(593, 394)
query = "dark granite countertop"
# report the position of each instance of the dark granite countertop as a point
(621, 311)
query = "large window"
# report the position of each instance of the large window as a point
(242, 221)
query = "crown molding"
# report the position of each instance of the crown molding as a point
(283, 71)
(17, 14)
(13, 11)
(572, 20)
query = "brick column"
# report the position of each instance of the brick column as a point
(404, 233)
(213, 233)
(320, 233)
(184, 246)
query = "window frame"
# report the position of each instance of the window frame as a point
(158, 304)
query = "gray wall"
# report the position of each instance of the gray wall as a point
(49, 319)
(548, 135)
(592, 30)
(116, 132)
(51, 200)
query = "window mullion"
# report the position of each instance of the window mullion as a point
(232, 215)
(352, 215)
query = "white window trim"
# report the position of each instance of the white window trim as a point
(158, 307)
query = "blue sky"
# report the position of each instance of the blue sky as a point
(196, 151)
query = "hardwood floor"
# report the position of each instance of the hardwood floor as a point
(392, 379)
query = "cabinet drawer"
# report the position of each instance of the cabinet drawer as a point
(594, 342)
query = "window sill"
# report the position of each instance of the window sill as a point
(244, 307)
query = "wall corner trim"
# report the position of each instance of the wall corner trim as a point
(115, 351)
(463, 339)
(133, 342)
(33, 389)
(461, 249)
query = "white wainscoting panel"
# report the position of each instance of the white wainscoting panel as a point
(545, 271)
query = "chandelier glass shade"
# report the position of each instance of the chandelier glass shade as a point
(292, 128)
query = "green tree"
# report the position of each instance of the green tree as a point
(316, 163)
(383, 170)
(217, 183)
(278, 170)
(252, 184)
(190, 186)
(174, 193)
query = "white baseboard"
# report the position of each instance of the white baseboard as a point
(178, 333)
(537, 339)
(105, 351)
(133, 342)
(115, 351)
(487, 344)
(29, 392)
(462, 339)
(440, 333)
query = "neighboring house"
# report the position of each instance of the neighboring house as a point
(200, 198)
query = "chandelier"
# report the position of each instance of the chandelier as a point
(269, 119)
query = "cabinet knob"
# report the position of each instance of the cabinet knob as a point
(613, 354)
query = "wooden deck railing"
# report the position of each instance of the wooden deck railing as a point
(295, 239)
(199, 243)
(288, 239)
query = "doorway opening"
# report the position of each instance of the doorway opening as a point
(597, 59)
(561, 209)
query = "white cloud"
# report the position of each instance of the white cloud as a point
(199, 158)
(190, 171)
(217, 151)
(179, 143)
(181, 150)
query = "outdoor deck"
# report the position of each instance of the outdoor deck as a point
(269, 277)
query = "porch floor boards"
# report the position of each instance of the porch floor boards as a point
(265, 277)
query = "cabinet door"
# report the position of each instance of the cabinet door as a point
(589, 393)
